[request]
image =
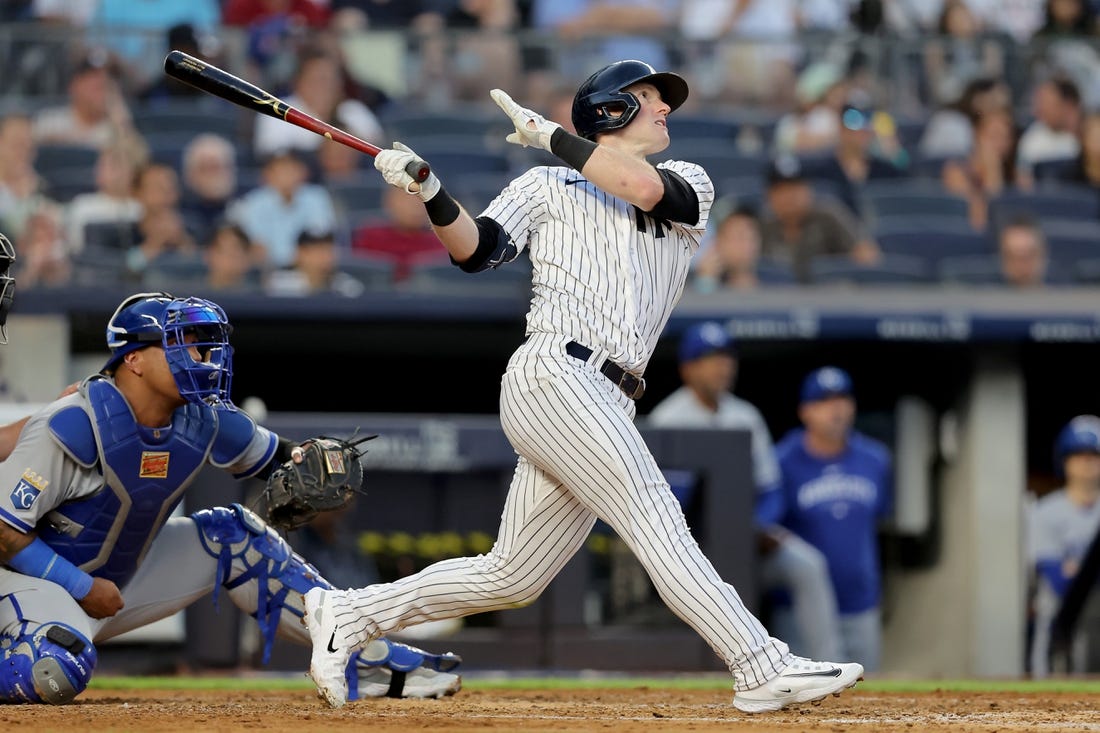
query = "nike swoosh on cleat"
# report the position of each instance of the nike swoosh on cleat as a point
(330, 640)
(834, 672)
(784, 690)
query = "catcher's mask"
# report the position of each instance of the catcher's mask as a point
(181, 326)
(601, 104)
(7, 285)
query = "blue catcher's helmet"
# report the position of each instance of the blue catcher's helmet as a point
(1081, 435)
(601, 104)
(181, 326)
(7, 285)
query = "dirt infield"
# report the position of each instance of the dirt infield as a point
(635, 709)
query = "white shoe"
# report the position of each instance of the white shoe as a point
(420, 682)
(804, 680)
(329, 661)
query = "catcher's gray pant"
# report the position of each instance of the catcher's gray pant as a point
(580, 457)
(176, 573)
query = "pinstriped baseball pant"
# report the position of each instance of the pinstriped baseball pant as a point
(580, 457)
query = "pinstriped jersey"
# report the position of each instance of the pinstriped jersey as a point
(604, 273)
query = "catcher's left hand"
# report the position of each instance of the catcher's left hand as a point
(323, 474)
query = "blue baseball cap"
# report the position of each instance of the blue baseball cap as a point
(826, 382)
(706, 338)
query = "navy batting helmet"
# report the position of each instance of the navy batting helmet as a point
(182, 327)
(1081, 435)
(601, 104)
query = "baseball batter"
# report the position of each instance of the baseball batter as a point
(611, 238)
(88, 548)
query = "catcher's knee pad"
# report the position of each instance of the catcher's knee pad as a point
(401, 660)
(51, 664)
(251, 552)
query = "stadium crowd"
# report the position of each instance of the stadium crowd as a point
(851, 141)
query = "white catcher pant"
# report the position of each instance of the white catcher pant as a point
(580, 457)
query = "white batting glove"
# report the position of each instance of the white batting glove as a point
(391, 164)
(532, 129)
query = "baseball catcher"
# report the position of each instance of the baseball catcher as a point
(323, 474)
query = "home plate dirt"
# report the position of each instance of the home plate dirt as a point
(637, 709)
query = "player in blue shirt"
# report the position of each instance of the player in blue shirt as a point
(837, 485)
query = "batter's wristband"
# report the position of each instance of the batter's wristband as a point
(442, 209)
(39, 560)
(572, 149)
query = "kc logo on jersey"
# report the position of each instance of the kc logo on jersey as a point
(24, 494)
(154, 464)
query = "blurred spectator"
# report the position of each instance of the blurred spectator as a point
(834, 16)
(1022, 248)
(797, 227)
(275, 213)
(815, 126)
(229, 260)
(1061, 526)
(989, 168)
(337, 163)
(1020, 19)
(22, 190)
(113, 201)
(315, 270)
(251, 12)
(96, 111)
(708, 369)
(160, 230)
(1086, 166)
(755, 67)
(1067, 18)
(485, 54)
(950, 129)
(360, 15)
(135, 31)
(961, 53)
(837, 486)
(318, 91)
(404, 237)
(731, 259)
(592, 33)
(1052, 135)
(43, 256)
(859, 156)
(77, 13)
(209, 183)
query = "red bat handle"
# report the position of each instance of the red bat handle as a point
(418, 169)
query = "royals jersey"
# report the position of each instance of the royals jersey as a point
(604, 272)
(835, 504)
(1060, 530)
(54, 481)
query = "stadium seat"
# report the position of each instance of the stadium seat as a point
(475, 191)
(1070, 240)
(971, 270)
(365, 192)
(1046, 202)
(932, 239)
(110, 236)
(774, 272)
(891, 269)
(880, 202)
(1087, 271)
(376, 273)
(408, 124)
(1054, 170)
(53, 156)
(172, 272)
(65, 183)
(151, 123)
(684, 127)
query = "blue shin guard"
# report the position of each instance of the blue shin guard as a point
(249, 551)
(51, 664)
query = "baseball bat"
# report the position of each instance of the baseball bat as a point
(221, 83)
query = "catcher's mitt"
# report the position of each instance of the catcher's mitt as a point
(327, 478)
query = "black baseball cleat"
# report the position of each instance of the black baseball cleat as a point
(804, 680)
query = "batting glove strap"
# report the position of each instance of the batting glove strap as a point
(532, 129)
